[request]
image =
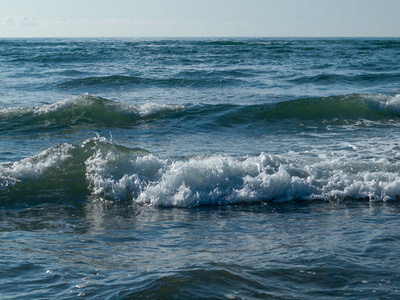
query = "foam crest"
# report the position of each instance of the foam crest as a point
(221, 180)
(70, 103)
(120, 173)
(7, 113)
(93, 102)
(199, 181)
(148, 109)
(33, 168)
(392, 104)
(85, 111)
(113, 172)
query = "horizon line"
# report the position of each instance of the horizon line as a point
(189, 37)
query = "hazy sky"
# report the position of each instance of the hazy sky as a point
(207, 18)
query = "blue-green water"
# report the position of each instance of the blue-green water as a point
(199, 168)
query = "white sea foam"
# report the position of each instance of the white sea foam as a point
(10, 112)
(147, 109)
(67, 103)
(383, 103)
(393, 104)
(219, 180)
(92, 102)
(33, 168)
(120, 173)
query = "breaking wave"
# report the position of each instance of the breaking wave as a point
(111, 172)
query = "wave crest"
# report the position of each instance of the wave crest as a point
(349, 107)
(82, 111)
(112, 172)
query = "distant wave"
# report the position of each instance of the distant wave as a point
(196, 78)
(105, 80)
(347, 79)
(100, 169)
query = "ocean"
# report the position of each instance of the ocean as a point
(200, 168)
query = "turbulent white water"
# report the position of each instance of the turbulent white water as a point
(119, 173)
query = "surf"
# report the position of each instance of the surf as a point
(111, 172)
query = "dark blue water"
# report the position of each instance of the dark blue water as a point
(199, 168)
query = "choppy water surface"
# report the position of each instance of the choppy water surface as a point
(285, 250)
(198, 168)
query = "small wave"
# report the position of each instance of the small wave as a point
(104, 81)
(361, 79)
(247, 42)
(334, 109)
(82, 111)
(59, 171)
(112, 172)
(348, 107)
(205, 79)
(227, 42)
(385, 44)
(87, 112)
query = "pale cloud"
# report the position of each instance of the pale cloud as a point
(25, 21)
(158, 18)
(18, 21)
(88, 27)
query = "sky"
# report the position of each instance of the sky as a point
(200, 18)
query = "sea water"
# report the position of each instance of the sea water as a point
(200, 168)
